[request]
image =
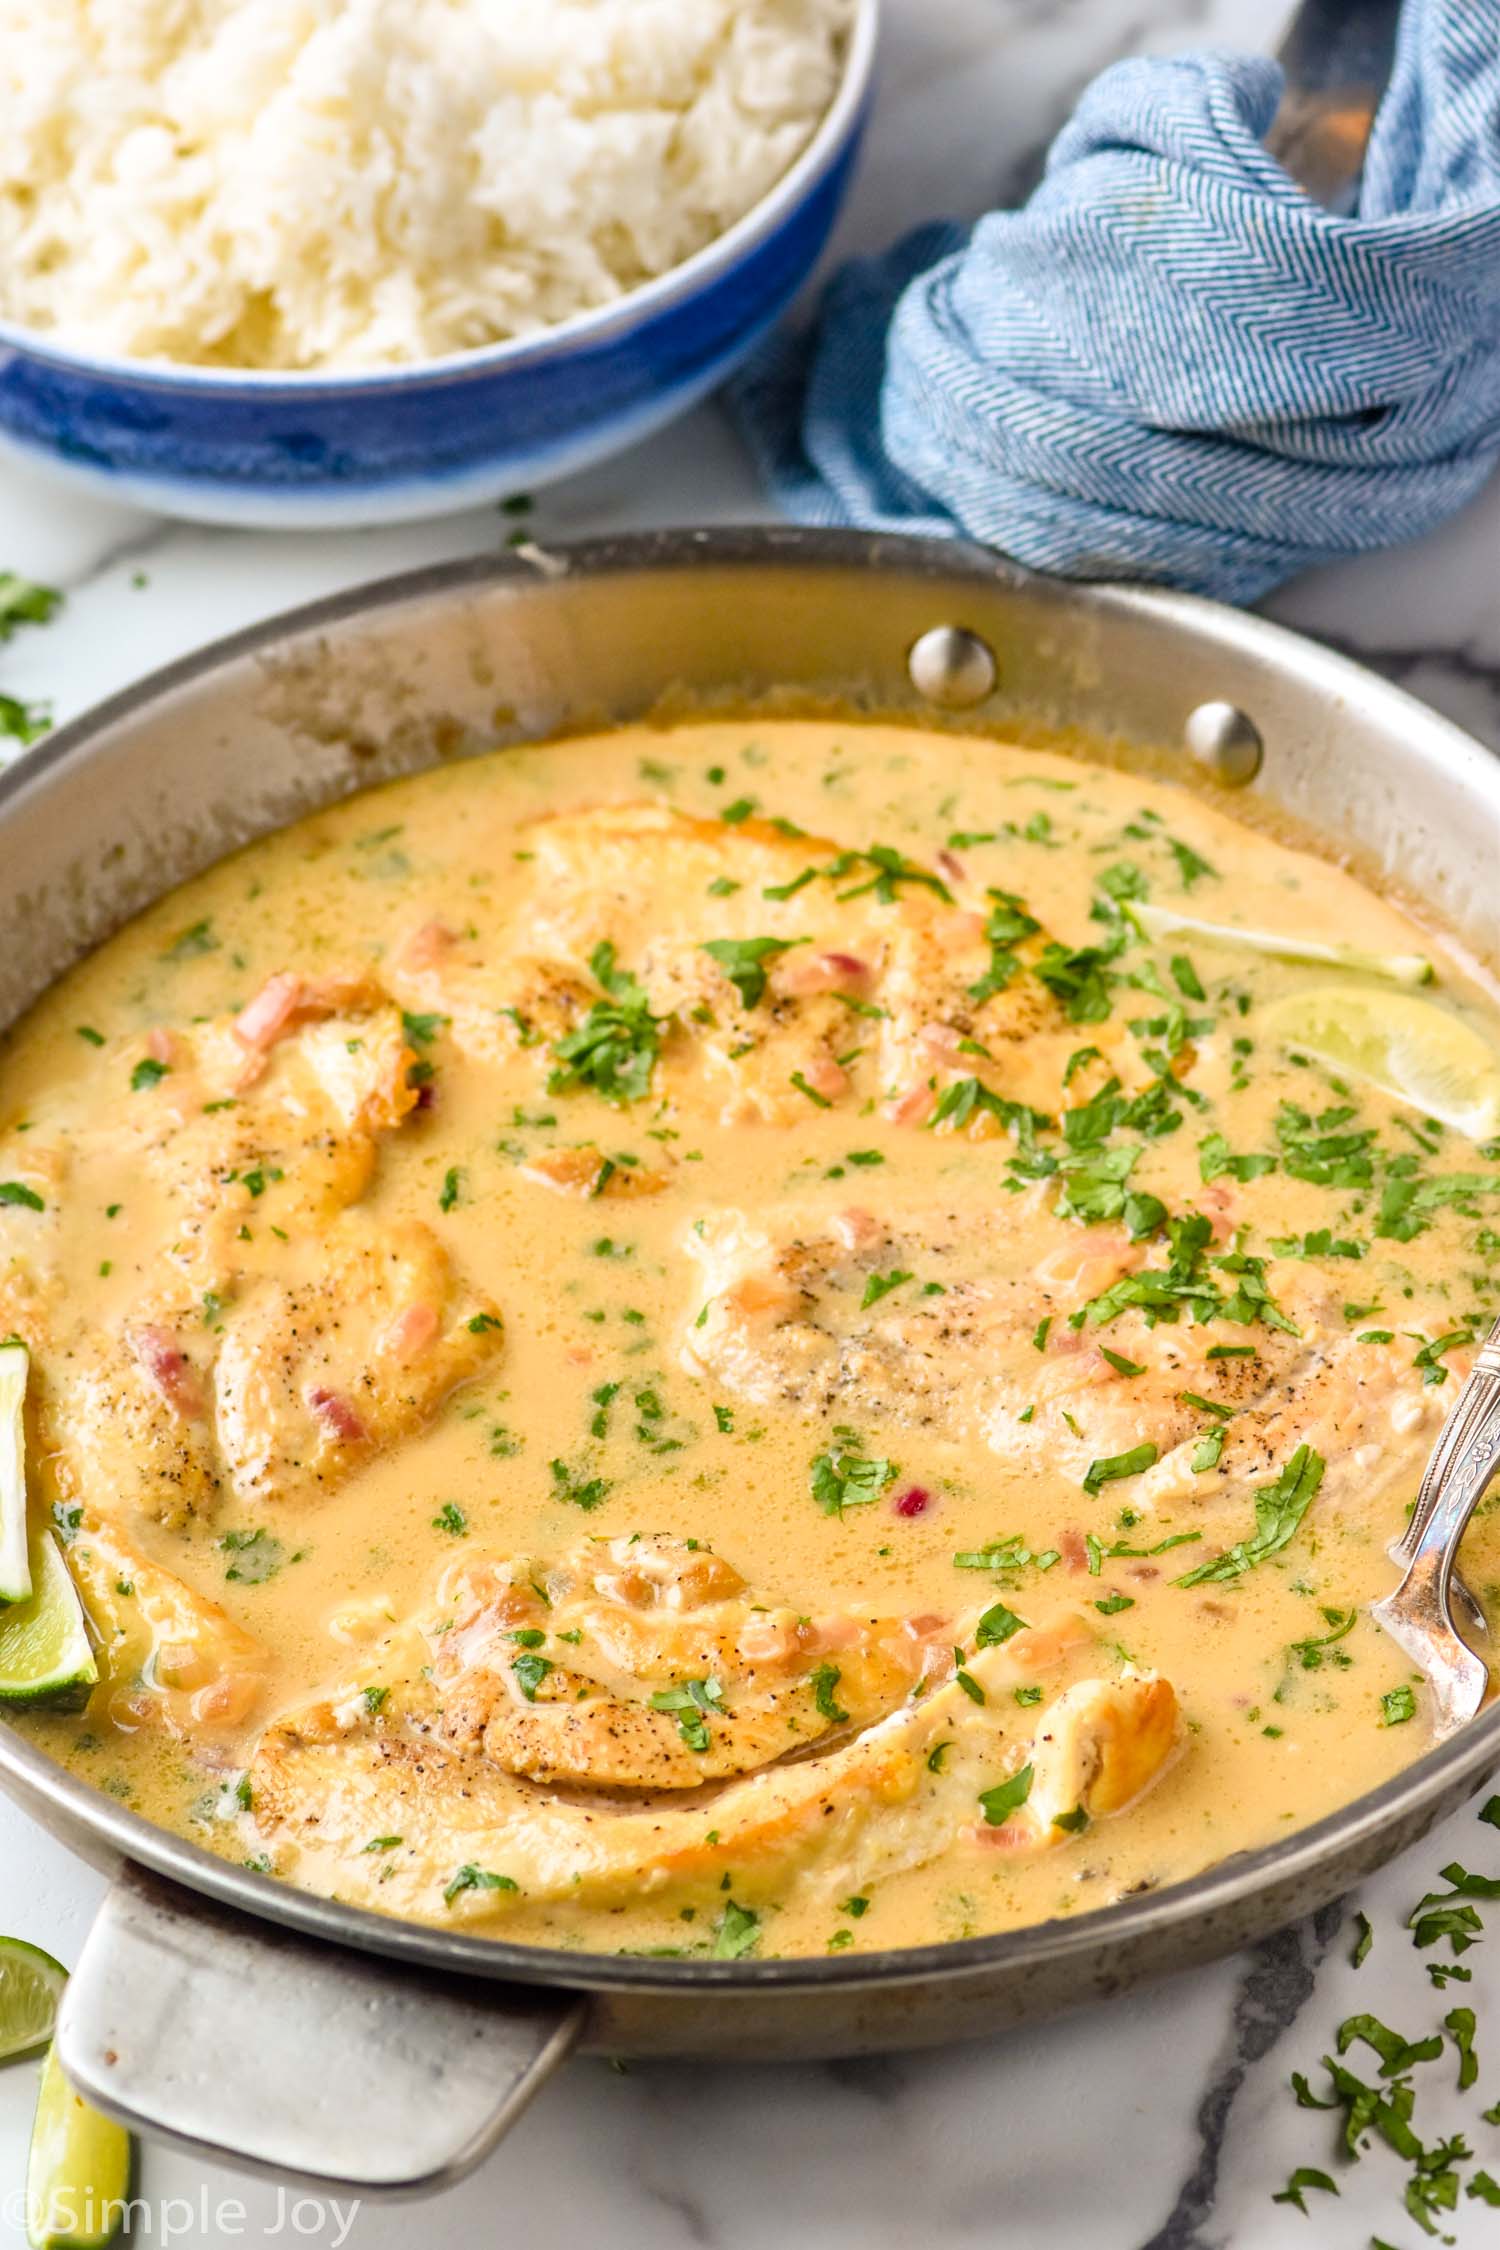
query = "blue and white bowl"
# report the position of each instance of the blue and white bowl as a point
(319, 451)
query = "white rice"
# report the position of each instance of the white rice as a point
(364, 183)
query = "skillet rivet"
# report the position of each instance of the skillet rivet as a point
(952, 667)
(1220, 735)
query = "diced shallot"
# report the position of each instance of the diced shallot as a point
(263, 1020)
(426, 946)
(285, 999)
(913, 1107)
(162, 1358)
(855, 1229)
(940, 1041)
(412, 1330)
(1090, 1262)
(802, 974)
(763, 1640)
(337, 1415)
(1010, 1836)
(1073, 1549)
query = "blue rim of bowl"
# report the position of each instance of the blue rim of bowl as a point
(838, 123)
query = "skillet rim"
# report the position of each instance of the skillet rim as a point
(34, 1779)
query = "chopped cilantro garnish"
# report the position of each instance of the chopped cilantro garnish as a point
(1006, 1797)
(736, 1933)
(691, 1703)
(844, 1477)
(24, 602)
(256, 1556)
(1009, 923)
(996, 1626)
(819, 1101)
(891, 869)
(530, 1671)
(198, 938)
(1305, 2176)
(23, 722)
(578, 1491)
(1190, 865)
(1116, 1465)
(743, 961)
(1215, 1159)
(471, 1878)
(966, 1097)
(1208, 1452)
(1081, 980)
(614, 1050)
(1279, 1510)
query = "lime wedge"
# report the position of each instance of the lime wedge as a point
(1410, 1048)
(44, 1643)
(78, 2176)
(15, 1570)
(31, 1985)
(1162, 922)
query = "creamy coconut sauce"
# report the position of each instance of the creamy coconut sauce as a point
(396, 1243)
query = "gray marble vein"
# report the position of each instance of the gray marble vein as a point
(1279, 1980)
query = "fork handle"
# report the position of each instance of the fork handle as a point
(1418, 1615)
(1468, 1446)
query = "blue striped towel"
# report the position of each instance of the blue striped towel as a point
(1172, 364)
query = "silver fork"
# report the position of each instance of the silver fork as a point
(1419, 1614)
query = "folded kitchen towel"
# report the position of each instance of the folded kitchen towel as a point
(1172, 364)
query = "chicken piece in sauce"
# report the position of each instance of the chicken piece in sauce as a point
(782, 972)
(949, 1323)
(276, 1336)
(664, 1671)
(435, 1765)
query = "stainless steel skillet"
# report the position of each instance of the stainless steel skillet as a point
(218, 2008)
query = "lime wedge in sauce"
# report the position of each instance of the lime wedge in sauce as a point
(78, 2175)
(15, 1568)
(31, 1985)
(1162, 922)
(44, 1643)
(1410, 1048)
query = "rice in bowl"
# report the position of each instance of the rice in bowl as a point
(348, 184)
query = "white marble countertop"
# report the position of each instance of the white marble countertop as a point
(1165, 2122)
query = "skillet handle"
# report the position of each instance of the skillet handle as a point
(248, 2044)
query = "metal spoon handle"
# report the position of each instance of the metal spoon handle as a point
(1473, 1425)
(1337, 58)
(1418, 1615)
